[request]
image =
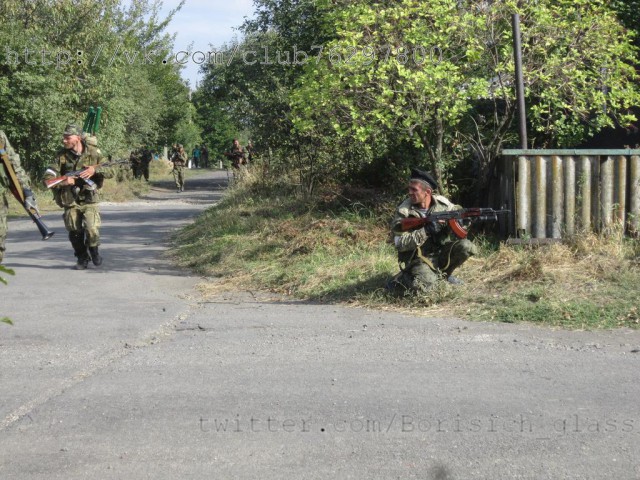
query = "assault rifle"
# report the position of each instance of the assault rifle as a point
(453, 218)
(52, 182)
(237, 157)
(18, 193)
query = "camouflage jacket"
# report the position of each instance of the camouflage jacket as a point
(146, 156)
(237, 156)
(407, 243)
(14, 159)
(82, 192)
(179, 158)
(136, 157)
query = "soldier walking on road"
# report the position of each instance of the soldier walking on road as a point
(205, 157)
(135, 160)
(78, 194)
(179, 160)
(146, 157)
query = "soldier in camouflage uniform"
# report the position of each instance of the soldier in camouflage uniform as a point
(427, 253)
(205, 157)
(135, 160)
(23, 178)
(179, 159)
(250, 151)
(146, 156)
(236, 154)
(78, 197)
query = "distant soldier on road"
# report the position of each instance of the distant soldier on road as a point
(179, 159)
(147, 156)
(205, 156)
(236, 154)
(135, 160)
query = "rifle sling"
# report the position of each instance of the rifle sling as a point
(430, 264)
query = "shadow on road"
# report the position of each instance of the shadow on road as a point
(134, 235)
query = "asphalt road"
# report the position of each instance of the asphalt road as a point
(126, 372)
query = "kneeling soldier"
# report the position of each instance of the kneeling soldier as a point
(427, 253)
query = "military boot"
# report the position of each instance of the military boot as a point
(95, 256)
(79, 249)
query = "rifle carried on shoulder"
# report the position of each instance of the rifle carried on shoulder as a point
(453, 218)
(52, 182)
(18, 193)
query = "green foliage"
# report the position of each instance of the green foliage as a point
(332, 248)
(440, 74)
(6, 271)
(253, 92)
(627, 11)
(61, 57)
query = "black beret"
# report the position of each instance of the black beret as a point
(421, 175)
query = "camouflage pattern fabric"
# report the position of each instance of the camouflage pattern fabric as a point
(135, 160)
(81, 193)
(80, 201)
(424, 258)
(179, 159)
(25, 183)
(84, 218)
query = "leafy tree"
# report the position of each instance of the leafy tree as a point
(439, 74)
(214, 120)
(62, 57)
(252, 93)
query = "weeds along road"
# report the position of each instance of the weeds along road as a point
(124, 372)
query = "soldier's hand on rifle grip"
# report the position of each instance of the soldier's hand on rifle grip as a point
(88, 171)
(432, 228)
(30, 200)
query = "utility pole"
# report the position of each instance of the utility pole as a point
(517, 53)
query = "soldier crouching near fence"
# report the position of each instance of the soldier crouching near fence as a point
(78, 193)
(428, 253)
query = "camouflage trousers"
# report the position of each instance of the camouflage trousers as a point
(178, 176)
(4, 211)
(84, 219)
(421, 277)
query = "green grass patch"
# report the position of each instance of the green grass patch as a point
(334, 248)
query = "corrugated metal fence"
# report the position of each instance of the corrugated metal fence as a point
(553, 193)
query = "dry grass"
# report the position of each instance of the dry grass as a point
(334, 249)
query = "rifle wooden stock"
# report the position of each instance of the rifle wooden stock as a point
(453, 219)
(52, 182)
(16, 190)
